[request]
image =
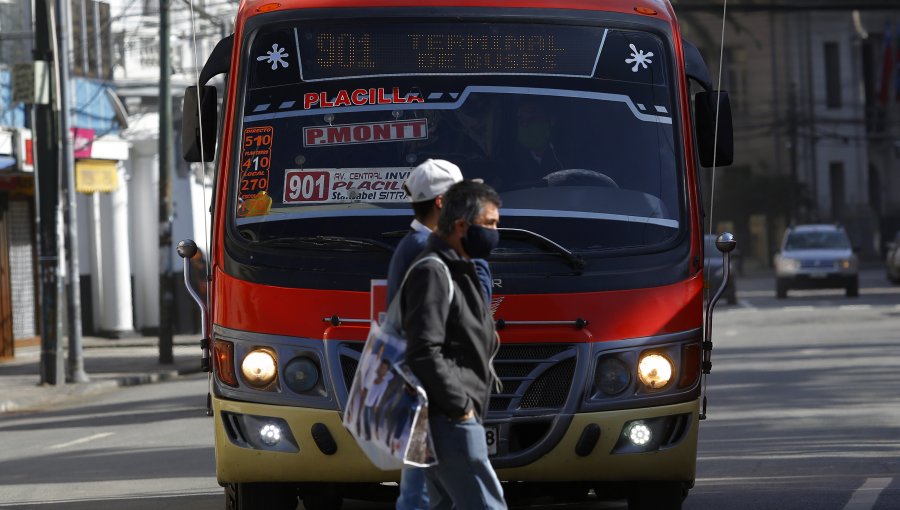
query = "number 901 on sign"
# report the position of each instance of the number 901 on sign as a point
(301, 187)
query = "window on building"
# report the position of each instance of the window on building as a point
(91, 39)
(832, 75)
(836, 181)
(104, 32)
(737, 79)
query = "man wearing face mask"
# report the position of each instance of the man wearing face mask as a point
(451, 345)
(425, 186)
(535, 156)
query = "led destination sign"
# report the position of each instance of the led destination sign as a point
(447, 48)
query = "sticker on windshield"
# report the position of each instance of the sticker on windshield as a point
(256, 157)
(257, 205)
(370, 132)
(345, 185)
(275, 56)
(359, 97)
(638, 58)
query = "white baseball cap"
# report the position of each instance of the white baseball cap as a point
(431, 179)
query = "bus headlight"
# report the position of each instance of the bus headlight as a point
(655, 370)
(259, 368)
(301, 374)
(270, 434)
(612, 376)
(639, 434)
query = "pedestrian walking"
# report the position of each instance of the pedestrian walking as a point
(451, 344)
(425, 186)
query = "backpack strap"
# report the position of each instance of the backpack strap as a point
(442, 264)
(392, 318)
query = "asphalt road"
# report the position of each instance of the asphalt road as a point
(804, 413)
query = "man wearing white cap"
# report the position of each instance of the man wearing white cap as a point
(425, 186)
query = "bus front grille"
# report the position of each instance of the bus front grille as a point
(533, 376)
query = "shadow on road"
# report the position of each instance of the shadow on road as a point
(126, 413)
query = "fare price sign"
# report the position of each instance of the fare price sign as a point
(447, 48)
(256, 158)
(345, 185)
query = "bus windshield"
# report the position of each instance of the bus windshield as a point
(572, 125)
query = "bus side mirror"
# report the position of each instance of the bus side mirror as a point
(195, 149)
(705, 121)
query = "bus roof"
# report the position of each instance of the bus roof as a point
(662, 7)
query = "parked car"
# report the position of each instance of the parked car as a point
(714, 264)
(892, 259)
(816, 257)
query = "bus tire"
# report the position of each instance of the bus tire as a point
(321, 497)
(658, 496)
(260, 496)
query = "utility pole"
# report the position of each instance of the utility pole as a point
(166, 279)
(794, 140)
(75, 368)
(47, 196)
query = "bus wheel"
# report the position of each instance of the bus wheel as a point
(658, 496)
(321, 497)
(260, 496)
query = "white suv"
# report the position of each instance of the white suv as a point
(816, 257)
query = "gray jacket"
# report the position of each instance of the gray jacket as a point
(450, 345)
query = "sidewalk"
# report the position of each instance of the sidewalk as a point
(108, 363)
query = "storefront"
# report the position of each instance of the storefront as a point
(19, 312)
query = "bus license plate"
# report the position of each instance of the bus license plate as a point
(492, 435)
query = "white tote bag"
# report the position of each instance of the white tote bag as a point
(387, 408)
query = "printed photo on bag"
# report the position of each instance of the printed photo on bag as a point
(386, 407)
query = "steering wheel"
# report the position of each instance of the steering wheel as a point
(579, 177)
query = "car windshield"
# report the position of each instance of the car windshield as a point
(572, 125)
(817, 241)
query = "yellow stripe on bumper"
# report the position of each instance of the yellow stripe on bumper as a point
(236, 464)
(562, 464)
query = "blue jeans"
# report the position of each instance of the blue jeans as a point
(463, 479)
(413, 490)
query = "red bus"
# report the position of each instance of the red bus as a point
(591, 118)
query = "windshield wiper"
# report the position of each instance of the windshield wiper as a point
(522, 234)
(326, 242)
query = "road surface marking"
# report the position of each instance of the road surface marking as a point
(855, 307)
(865, 497)
(746, 304)
(82, 440)
(799, 308)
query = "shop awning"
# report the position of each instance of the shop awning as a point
(92, 175)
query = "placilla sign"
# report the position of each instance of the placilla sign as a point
(369, 132)
(345, 185)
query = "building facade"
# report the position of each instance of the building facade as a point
(815, 138)
(100, 153)
(137, 71)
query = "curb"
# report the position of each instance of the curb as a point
(59, 394)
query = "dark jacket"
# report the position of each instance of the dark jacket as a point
(450, 344)
(412, 244)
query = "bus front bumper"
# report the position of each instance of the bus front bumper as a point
(303, 458)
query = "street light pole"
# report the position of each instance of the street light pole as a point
(75, 368)
(166, 280)
(47, 193)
